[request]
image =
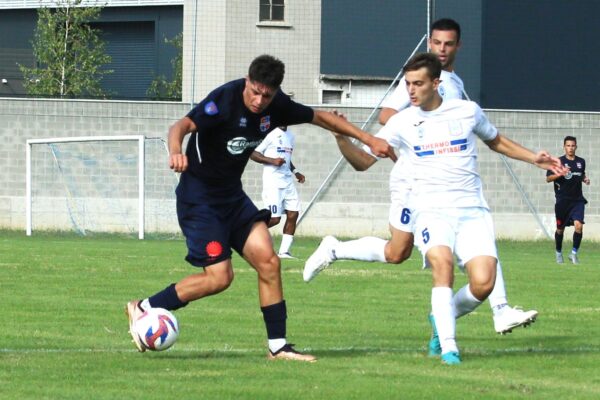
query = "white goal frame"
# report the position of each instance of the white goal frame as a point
(141, 171)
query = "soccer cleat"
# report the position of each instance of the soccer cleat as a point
(435, 348)
(286, 256)
(559, 258)
(133, 311)
(288, 352)
(574, 259)
(320, 259)
(451, 358)
(513, 317)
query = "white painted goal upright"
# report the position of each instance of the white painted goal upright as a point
(99, 184)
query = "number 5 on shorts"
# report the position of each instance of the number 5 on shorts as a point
(425, 234)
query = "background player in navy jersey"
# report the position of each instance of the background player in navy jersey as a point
(214, 213)
(570, 203)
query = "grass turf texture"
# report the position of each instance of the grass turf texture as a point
(65, 334)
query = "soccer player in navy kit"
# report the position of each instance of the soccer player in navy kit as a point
(214, 213)
(570, 203)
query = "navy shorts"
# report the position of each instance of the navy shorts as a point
(212, 230)
(568, 211)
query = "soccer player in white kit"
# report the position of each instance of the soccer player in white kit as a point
(279, 191)
(451, 216)
(444, 42)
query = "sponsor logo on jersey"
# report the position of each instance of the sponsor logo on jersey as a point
(444, 147)
(243, 122)
(265, 123)
(239, 144)
(210, 108)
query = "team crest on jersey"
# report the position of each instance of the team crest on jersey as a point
(211, 108)
(243, 122)
(265, 123)
(579, 165)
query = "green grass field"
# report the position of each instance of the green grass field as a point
(65, 334)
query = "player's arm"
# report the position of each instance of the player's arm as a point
(541, 159)
(357, 157)
(552, 178)
(262, 159)
(177, 160)
(385, 114)
(301, 178)
(334, 123)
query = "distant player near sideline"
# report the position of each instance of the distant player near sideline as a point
(444, 42)
(215, 214)
(451, 216)
(570, 203)
(279, 191)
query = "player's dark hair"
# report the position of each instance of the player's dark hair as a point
(267, 70)
(569, 138)
(424, 60)
(446, 24)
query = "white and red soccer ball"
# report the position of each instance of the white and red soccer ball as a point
(157, 329)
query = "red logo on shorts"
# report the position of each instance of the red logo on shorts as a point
(214, 249)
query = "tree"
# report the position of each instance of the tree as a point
(69, 52)
(160, 88)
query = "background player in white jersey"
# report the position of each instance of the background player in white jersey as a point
(451, 214)
(279, 191)
(444, 42)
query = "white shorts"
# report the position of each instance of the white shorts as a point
(277, 199)
(401, 214)
(468, 232)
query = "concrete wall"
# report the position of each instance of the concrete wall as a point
(353, 204)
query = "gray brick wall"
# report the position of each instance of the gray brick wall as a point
(352, 204)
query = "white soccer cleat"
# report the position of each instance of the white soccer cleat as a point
(513, 317)
(133, 312)
(286, 256)
(320, 259)
(574, 259)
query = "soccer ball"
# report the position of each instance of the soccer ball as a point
(157, 329)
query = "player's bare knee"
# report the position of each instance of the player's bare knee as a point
(274, 221)
(221, 281)
(269, 269)
(397, 257)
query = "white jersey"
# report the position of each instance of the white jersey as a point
(277, 144)
(442, 150)
(451, 87)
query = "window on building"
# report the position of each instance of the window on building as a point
(332, 97)
(271, 10)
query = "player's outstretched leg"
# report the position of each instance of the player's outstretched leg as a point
(320, 259)
(133, 312)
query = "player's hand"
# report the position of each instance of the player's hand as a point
(544, 160)
(301, 178)
(381, 148)
(586, 180)
(178, 162)
(278, 162)
(341, 115)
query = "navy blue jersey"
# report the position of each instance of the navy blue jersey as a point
(227, 134)
(568, 187)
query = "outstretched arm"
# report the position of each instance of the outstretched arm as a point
(542, 159)
(357, 157)
(177, 160)
(262, 159)
(334, 123)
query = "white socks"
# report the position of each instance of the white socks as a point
(464, 302)
(364, 249)
(498, 296)
(276, 344)
(442, 309)
(286, 243)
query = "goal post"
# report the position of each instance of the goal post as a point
(55, 141)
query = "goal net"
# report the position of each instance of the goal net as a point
(100, 184)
